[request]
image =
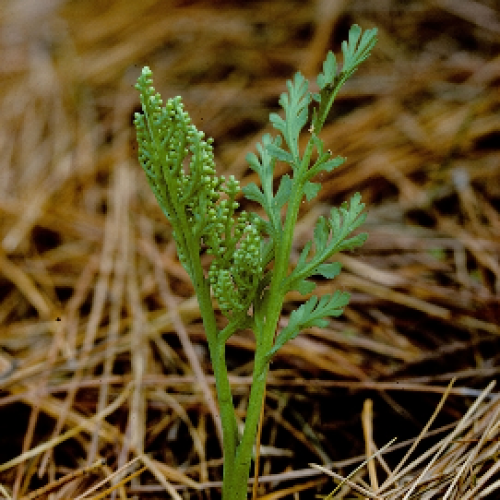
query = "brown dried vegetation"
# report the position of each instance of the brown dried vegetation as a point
(102, 352)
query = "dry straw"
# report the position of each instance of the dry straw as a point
(82, 240)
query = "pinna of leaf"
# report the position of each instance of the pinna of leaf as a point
(249, 275)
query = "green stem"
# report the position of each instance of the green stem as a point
(215, 345)
(235, 485)
(217, 355)
(223, 388)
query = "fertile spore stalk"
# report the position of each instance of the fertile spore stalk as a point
(250, 273)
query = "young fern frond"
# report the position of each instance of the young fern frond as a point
(330, 81)
(250, 274)
(192, 200)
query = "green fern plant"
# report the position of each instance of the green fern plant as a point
(249, 274)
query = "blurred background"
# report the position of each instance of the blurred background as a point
(88, 271)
